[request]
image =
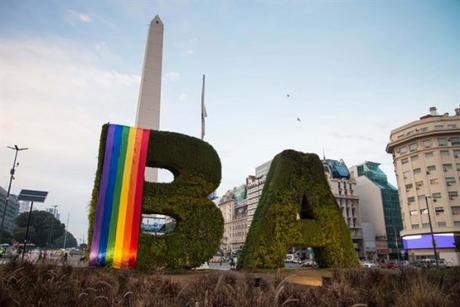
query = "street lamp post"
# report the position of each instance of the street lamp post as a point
(431, 230)
(12, 171)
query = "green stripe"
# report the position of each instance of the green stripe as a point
(116, 195)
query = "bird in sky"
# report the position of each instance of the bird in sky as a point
(298, 119)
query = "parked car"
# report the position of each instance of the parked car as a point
(309, 263)
(368, 264)
(289, 258)
(216, 259)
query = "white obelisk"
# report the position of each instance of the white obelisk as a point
(148, 106)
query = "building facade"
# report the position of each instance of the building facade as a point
(12, 211)
(426, 157)
(380, 208)
(234, 208)
(342, 185)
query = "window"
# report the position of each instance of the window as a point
(444, 153)
(451, 126)
(404, 161)
(446, 167)
(442, 141)
(439, 210)
(414, 226)
(411, 200)
(457, 223)
(424, 129)
(450, 181)
(413, 212)
(406, 174)
(417, 170)
(438, 126)
(418, 185)
(431, 168)
(424, 211)
(455, 210)
(455, 140)
(457, 153)
(442, 224)
(409, 186)
(457, 166)
(434, 181)
(427, 144)
(414, 158)
(453, 194)
(436, 195)
(426, 225)
(403, 150)
(413, 147)
(430, 154)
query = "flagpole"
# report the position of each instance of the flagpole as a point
(203, 109)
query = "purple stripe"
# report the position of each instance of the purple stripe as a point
(101, 197)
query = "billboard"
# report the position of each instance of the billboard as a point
(443, 240)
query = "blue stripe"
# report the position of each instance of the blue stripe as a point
(109, 195)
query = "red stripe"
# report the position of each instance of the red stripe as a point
(131, 199)
(138, 199)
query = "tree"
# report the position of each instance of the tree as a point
(70, 241)
(44, 230)
(7, 237)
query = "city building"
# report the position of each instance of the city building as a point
(234, 207)
(24, 206)
(380, 210)
(342, 185)
(255, 185)
(426, 157)
(12, 210)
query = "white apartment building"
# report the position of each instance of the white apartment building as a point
(426, 157)
(342, 185)
(234, 207)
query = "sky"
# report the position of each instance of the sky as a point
(353, 70)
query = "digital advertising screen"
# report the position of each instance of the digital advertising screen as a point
(443, 240)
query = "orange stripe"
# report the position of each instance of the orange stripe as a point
(131, 199)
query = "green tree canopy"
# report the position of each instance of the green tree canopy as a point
(70, 241)
(44, 231)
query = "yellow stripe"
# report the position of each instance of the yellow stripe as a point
(118, 250)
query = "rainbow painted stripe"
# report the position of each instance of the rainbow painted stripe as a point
(118, 211)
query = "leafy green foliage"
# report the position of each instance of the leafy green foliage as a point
(297, 208)
(44, 231)
(70, 241)
(197, 172)
(6, 237)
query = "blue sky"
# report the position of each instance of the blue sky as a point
(354, 70)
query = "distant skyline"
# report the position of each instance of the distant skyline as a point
(351, 71)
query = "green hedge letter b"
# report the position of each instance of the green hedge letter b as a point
(297, 208)
(199, 224)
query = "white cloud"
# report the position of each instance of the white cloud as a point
(173, 76)
(74, 17)
(54, 99)
(183, 97)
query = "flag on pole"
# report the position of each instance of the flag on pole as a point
(204, 114)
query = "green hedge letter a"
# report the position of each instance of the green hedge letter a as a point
(297, 208)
